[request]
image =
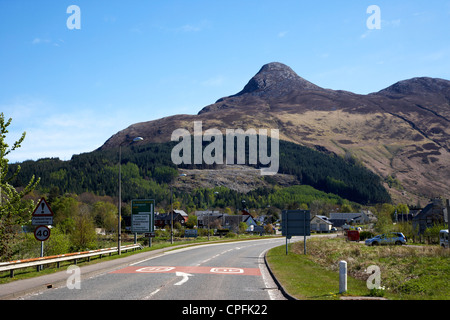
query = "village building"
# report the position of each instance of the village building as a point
(434, 213)
(321, 224)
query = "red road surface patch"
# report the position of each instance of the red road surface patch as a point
(204, 270)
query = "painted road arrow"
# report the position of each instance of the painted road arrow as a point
(185, 278)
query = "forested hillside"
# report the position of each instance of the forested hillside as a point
(147, 171)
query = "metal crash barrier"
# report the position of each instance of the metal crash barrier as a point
(39, 262)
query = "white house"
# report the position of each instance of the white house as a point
(321, 224)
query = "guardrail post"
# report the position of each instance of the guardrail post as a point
(342, 276)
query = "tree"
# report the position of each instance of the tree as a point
(346, 208)
(242, 227)
(83, 236)
(191, 222)
(14, 209)
(384, 215)
(105, 216)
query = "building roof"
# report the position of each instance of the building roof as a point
(322, 219)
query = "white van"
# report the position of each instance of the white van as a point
(443, 238)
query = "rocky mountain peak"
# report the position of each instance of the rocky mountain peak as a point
(276, 79)
(418, 86)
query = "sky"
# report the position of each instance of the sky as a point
(72, 86)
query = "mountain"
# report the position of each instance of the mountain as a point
(401, 133)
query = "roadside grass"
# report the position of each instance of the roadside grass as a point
(407, 273)
(306, 280)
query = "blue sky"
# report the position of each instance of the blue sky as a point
(135, 61)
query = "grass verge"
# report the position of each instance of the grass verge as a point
(407, 273)
(306, 280)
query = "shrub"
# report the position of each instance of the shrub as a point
(231, 235)
(363, 235)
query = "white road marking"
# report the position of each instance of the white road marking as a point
(185, 278)
(272, 289)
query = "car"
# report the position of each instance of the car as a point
(396, 238)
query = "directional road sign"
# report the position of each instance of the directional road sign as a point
(142, 216)
(296, 223)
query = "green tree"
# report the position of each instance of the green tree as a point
(14, 209)
(64, 209)
(384, 217)
(402, 208)
(242, 227)
(191, 222)
(105, 216)
(83, 236)
(346, 208)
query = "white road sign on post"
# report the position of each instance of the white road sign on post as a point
(42, 233)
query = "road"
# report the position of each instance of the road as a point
(225, 271)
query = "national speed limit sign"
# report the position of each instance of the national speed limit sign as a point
(42, 233)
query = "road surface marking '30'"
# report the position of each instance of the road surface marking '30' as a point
(155, 269)
(227, 270)
(205, 270)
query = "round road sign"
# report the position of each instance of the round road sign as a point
(42, 233)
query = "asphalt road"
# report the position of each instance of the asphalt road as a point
(226, 271)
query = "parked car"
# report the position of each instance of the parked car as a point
(396, 238)
(443, 238)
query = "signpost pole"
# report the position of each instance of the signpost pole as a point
(42, 255)
(304, 235)
(285, 225)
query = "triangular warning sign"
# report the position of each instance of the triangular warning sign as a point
(42, 209)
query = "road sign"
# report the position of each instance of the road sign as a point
(42, 233)
(295, 223)
(41, 221)
(142, 216)
(140, 223)
(42, 209)
(191, 233)
(42, 214)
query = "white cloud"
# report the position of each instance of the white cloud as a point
(282, 34)
(40, 40)
(214, 81)
(190, 28)
(194, 27)
(365, 34)
(52, 133)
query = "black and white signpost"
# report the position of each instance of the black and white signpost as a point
(42, 217)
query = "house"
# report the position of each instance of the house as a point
(164, 219)
(180, 216)
(215, 219)
(321, 224)
(208, 217)
(231, 222)
(338, 219)
(434, 213)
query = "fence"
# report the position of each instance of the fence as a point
(39, 262)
